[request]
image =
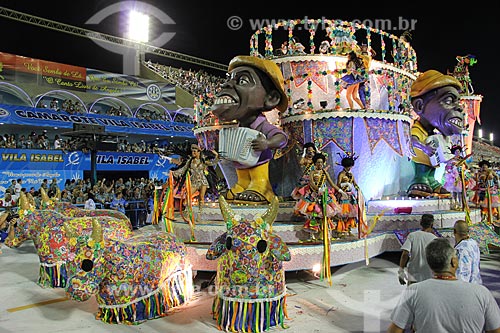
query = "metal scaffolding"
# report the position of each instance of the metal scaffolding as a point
(98, 36)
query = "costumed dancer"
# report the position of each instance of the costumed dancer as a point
(453, 177)
(343, 39)
(348, 217)
(310, 204)
(354, 80)
(198, 168)
(461, 72)
(486, 195)
(306, 163)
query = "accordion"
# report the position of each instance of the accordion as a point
(235, 144)
(443, 153)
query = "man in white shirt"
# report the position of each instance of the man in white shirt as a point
(17, 189)
(414, 253)
(90, 203)
(445, 303)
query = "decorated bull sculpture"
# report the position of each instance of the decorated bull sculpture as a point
(250, 280)
(55, 251)
(135, 279)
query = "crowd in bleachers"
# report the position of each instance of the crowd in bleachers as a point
(195, 82)
(75, 107)
(69, 106)
(137, 194)
(42, 141)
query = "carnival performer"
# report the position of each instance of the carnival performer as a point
(354, 80)
(486, 191)
(461, 72)
(348, 216)
(306, 163)
(343, 39)
(453, 177)
(311, 202)
(198, 168)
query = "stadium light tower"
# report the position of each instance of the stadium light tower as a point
(138, 30)
(138, 26)
(491, 138)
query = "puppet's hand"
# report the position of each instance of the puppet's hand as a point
(429, 149)
(260, 143)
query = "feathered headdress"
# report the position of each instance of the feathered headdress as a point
(347, 156)
(406, 36)
(456, 147)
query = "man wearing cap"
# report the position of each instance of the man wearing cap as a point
(254, 86)
(435, 98)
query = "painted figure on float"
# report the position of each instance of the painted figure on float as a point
(254, 86)
(461, 73)
(436, 100)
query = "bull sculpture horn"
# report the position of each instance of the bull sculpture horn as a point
(271, 213)
(45, 197)
(23, 201)
(71, 232)
(96, 231)
(31, 200)
(227, 212)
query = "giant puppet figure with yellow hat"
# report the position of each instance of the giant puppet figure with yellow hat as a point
(435, 98)
(254, 85)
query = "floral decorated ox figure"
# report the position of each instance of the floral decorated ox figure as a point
(250, 281)
(135, 279)
(55, 251)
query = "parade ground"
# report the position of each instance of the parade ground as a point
(359, 299)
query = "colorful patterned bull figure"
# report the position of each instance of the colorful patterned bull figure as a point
(136, 279)
(55, 251)
(250, 281)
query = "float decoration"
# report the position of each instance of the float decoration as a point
(136, 279)
(250, 280)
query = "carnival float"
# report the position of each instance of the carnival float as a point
(373, 124)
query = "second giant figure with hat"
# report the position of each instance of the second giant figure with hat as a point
(254, 85)
(435, 98)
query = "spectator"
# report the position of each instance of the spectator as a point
(445, 304)
(90, 204)
(414, 253)
(17, 189)
(8, 201)
(53, 185)
(12, 186)
(45, 185)
(22, 142)
(468, 253)
(57, 142)
(65, 197)
(150, 206)
(119, 203)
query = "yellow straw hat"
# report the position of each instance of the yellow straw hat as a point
(268, 67)
(431, 80)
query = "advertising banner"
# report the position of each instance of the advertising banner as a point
(25, 115)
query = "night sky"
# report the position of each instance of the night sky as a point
(201, 30)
